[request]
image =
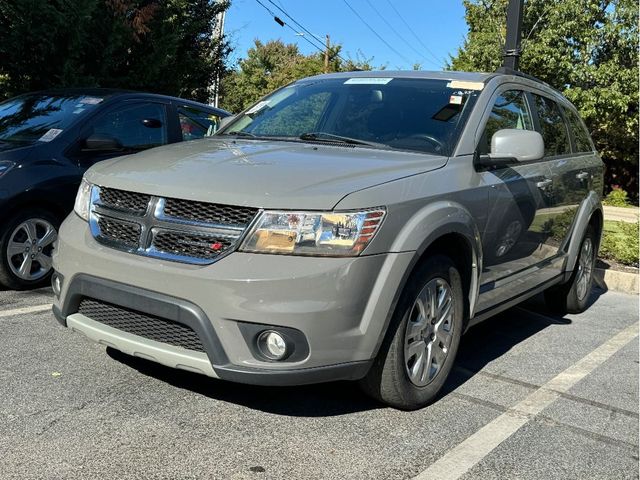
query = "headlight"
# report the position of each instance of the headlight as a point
(83, 199)
(312, 233)
(5, 166)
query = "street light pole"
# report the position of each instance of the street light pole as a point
(512, 49)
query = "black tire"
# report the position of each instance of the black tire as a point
(569, 297)
(388, 379)
(8, 277)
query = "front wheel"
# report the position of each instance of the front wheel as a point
(26, 245)
(573, 296)
(423, 338)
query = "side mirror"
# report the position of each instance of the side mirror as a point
(226, 121)
(99, 142)
(513, 145)
(152, 123)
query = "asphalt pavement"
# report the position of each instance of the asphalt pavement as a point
(532, 396)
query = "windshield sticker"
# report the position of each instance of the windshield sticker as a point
(91, 100)
(257, 107)
(50, 135)
(465, 85)
(368, 81)
(455, 100)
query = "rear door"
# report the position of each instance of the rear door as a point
(569, 174)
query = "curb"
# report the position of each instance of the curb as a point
(617, 281)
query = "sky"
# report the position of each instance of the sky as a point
(435, 28)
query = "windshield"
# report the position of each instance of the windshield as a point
(421, 115)
(32, 118)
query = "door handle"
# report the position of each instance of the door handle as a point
(582, 176)
(544, 184)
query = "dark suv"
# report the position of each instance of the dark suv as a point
(48, 140)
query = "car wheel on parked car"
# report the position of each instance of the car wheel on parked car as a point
(26, 245)
(416, 358)
(573, 296)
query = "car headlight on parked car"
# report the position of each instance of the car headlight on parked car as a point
(5, 166)
(83, 200)
(313, 233)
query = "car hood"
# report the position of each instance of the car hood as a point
(259, 173)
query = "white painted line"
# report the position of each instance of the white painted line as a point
(459, 460)
(23, 310)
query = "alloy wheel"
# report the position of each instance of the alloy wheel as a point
(585, 268)
(429, 332)
(30, 247)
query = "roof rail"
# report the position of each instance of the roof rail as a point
(518, 73)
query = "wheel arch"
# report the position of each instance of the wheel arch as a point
(590, 213)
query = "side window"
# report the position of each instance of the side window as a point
(137, 126)
(554, 130)
(196, 123)
(509, 111)
(580, 134)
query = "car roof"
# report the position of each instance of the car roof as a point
(113, 93)
(423, 74)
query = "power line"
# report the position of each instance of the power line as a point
(302, 27)
(413, 32)
(421, 54)
(376, 33)
(282, 23)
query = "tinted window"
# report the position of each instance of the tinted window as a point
(580, 134)
(196, 123)
(136, 126)
(423, 115)
(30, 118)
(509, 111)
(554, 130)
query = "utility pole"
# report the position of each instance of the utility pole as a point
(512, 48)
(326, 55)
(217, 34)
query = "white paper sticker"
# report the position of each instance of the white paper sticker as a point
(367, 81)
(91, 100)
(465, 85)
(455, 100)
(257, 107)
(50, 135)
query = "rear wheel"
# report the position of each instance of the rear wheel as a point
(26, 245)
(573, 296)
(423, 338)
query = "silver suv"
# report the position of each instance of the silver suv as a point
(347, 226)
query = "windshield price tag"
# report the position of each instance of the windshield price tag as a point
(368, 81)
(50, 135)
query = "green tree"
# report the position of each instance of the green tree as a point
(271, 65)
(152, 45)
(587, 49)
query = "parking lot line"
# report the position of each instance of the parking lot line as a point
(23, 310)
(459, 460)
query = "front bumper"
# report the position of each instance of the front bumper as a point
(340, 306)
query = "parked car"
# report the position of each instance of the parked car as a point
(349, 226)
(48, 140)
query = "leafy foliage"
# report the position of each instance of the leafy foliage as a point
(620, 242)
(152, 45)
(274, 64)
(588, 49)
(617, 198)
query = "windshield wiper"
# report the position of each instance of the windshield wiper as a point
(330, 137)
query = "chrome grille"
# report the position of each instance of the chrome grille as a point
(141, 324)
(208, 212)
(126, 201)
(168, 228)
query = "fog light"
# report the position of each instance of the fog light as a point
(272, 345)
(56, 284)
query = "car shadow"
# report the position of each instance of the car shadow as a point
(479, 346)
